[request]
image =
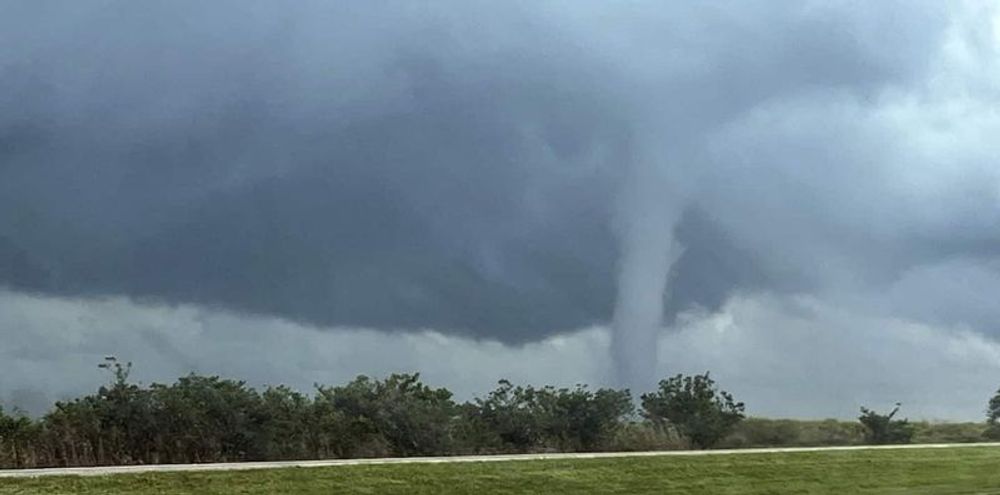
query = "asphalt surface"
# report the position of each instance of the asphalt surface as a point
(234, 466)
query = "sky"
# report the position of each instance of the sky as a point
(802, 197)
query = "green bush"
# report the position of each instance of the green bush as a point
(882, 429)
(524, 418)
(695, 407)
(992, 431)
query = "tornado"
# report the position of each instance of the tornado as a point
(650, 208)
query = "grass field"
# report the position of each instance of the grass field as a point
(927, 471)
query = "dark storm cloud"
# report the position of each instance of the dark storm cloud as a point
(191, 156)
(457, 167)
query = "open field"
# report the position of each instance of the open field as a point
(913, 470)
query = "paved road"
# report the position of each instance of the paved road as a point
(231, 466)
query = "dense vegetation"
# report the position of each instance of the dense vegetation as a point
(206, 419)
(693, 406)
(210, 419)
(931, 471)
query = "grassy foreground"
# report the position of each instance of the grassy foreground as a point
(930, 471)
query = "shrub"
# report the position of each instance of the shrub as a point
(694, 407)
(882, 429)
(993, 418)
(524, 418)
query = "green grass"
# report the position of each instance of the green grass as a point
(930, 471)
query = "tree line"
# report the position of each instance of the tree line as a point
(212, 419)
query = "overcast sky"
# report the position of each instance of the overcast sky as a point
(299, 192)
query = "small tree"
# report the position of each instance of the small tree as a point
(882, 429)
(993, 418)
(399, 414)
(283, 421)
(524, 418)
(510, 417)
(585, 420)
(695, 407)
(15, 435)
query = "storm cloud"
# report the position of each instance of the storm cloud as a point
(471, 168)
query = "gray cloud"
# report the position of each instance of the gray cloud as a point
(460, 167)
